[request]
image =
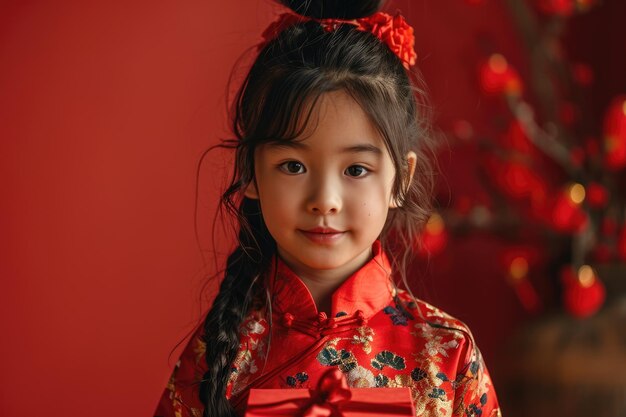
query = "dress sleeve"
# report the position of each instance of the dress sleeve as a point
(474, 394)
(180, 397)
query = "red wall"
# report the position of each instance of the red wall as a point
(105, 109)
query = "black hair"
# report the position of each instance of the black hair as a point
(287, 78)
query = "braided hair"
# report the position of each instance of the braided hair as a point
(289, 75)
(221, 335)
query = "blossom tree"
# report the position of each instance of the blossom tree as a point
(549, 167)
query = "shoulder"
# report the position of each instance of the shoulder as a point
(426, 314)
(443, 337)
(180, 396)
(461, 372)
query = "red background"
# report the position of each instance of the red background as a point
(106, 108)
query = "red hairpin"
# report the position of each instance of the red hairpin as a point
(392, 30)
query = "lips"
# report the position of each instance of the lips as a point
(323, 235)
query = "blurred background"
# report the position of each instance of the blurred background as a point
(107, 107)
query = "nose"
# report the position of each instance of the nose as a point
(324, 197)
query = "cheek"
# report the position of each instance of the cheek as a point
(278, 202)
(370, 204)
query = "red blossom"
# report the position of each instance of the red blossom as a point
(433, 238)
(496, 76)
(615, 134)
(565, 215)
(516, 263)
(562, 8)
(583, 292)
(516, 139)
(395, 32)
(597, 195)
(518, 180)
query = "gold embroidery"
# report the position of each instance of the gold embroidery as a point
(365, 336)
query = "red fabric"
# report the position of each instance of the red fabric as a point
(377, 335)
(331, 398)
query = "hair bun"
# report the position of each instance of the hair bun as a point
(334, 9)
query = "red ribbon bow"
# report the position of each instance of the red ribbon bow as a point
(392, 30)
(331, 398)
(332, 390)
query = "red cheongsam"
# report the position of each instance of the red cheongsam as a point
(369, 336)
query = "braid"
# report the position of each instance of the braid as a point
(221, 327)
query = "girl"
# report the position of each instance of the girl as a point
(332, 167)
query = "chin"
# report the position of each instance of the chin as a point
(322, 262)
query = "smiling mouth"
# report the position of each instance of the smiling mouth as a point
(323, 235)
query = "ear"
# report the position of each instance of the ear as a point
(251, 191)
(411, 159)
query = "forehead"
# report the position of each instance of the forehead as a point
(337, 123)
(338, 116)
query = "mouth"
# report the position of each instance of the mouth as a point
(323, 235)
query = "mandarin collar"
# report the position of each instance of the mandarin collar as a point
(366, 292)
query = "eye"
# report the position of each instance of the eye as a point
(292, 167)
(356, 171)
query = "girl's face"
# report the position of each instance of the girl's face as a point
(325, 199)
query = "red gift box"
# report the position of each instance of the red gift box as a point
(332, 398)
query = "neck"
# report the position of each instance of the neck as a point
(322, 284)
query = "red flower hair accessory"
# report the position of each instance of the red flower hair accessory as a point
(392, 30)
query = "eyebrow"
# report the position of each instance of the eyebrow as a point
(288, 144)
(362, 147)
(358, 148)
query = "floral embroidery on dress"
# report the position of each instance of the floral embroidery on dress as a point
(175, 393)
(397, 318)
(360, 377)
(298, 380)
(364, 338)
(398, 314)
(251, 347)
(390, 359)
(345, 360)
